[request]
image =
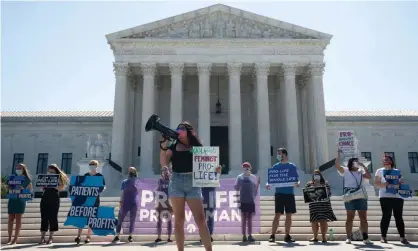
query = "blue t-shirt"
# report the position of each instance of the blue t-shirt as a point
(285, 190)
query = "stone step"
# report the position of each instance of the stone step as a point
(195, 238)
(35, 225)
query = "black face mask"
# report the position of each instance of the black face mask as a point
(132, 175)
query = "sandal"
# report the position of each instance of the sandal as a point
(313, 240)
(49, 241)
(42, 241)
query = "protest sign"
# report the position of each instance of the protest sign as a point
(17, 188)
(224, 209)
(47, 180)
(283, 176)
(347, 143)
(85, 208)
(315, 194)
(205, 162)
(405, 191)
(392, 177)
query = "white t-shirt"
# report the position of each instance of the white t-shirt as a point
(382, 191)
(352, 179)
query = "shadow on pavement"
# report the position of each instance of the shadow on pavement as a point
(286, 244)
(407, 246)
(369, 247)
(17, 246)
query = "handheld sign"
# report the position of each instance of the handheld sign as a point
(85, 209)
(283, 176)
(347, 143)
(17, 190)
(392, 177)
(405, 191)
(205, 162)
(315, 194)
(47, 180)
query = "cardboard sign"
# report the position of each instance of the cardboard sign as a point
(47, 180)
(315, 194)
(347, 143)
(85, 209)
(205, 162)
(284, 176)
(16, 189)
(392, 177)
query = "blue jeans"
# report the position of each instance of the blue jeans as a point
(181, 186)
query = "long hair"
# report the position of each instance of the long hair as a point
(64, 180)
(392, 165)
(350, 163)
(191, 135)
(25, 171)
(317, 172)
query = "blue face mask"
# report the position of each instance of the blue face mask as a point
(19, 172)
(279, 157)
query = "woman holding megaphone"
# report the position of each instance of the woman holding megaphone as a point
(181, 188)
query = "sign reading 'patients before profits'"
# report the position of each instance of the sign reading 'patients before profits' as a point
(205, 162)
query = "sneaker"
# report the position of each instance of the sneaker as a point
(405, 241)
(251, 238)
(367, 241)
(87, 241)
(130, 239)
(383, 240)
(288, 239)
(77, 240)
(272, 238)
(157, 240)
(116, 239)
(324, 241)
(244, 238)
(169, 240)
(313, 240)
(348, 241)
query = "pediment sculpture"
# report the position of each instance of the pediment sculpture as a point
(219, 25)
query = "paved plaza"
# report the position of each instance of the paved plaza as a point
(230, 246)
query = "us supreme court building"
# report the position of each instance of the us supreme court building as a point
(248, 84)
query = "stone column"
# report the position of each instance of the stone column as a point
(235, 127)
(120, 111)
(316, 70)
(176, 100)
(311, 125)
(148, 108)
(291, 113)
(305, 124)
(263, 117)
(130, 149)
(204, 70)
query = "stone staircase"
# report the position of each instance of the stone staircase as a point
(301, 229)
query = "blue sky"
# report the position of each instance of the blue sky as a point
(55, 55)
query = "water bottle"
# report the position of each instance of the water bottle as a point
(331, 234)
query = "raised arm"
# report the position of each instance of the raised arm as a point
(337, 162)
(165, 154)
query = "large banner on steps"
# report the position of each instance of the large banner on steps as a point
(223, 205)
(85, 207)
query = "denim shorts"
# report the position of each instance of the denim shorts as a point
(181, 186)
(360, 204)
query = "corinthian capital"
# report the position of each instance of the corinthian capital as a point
(176, 68)
(148, 69)
(234, 68)
(303, 80)
(289, 68)
(262, 69)
(317, 68)
(121, 69)
(204, 68)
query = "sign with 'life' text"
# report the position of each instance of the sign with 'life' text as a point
(205, 162)
(347, 143)
(86, 210)
(47, 180)
(283, 176)
(392, 177)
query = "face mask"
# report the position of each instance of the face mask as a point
(247, 170)
(50, 173)
(19, 172)
(279, 157)
(92, 168)
(132, 174)
(317, 177)
(355, 164)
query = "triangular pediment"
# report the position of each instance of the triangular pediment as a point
(218, 21)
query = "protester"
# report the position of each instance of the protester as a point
(181, 188)
(209, 199)
(353, 177)
(93, 165)
(389, 202)
(16, 207)
(162, 204)
(50, 204)
(284, 198)
(247, 184)
(128, 203)
(320, 212)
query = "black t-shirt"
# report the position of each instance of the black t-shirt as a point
(104, 184)
(182, 161)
